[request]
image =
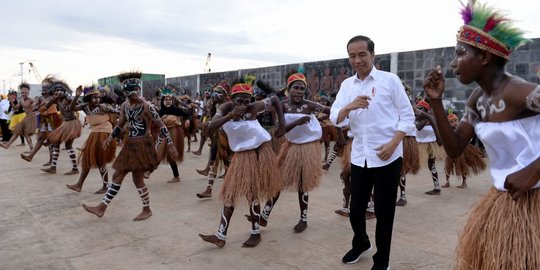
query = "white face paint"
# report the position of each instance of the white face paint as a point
(465, 54)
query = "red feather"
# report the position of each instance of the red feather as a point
(491, 23)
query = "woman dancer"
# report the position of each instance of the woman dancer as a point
(92, 155)
(252, 173)
(504, 112)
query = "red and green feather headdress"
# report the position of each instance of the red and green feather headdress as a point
(488, 29)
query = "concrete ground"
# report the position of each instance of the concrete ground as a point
(43, 226)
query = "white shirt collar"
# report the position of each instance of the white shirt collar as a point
(372, 74)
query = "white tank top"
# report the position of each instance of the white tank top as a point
(426, 135)
(510, 146)
(306, 133)
(245, 135)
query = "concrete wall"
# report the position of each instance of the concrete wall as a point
(324, 77)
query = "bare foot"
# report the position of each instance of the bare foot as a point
(464, 185)
(198, 153)
(326, 167)
(51, 170)
(174, 180)
(253, 241)
(263, 222)
(401, 202)
(446, 185)
(101, 191)
(4, 145)
(146, 213)
(210, 238)
(72, 172)
(300, 227)
(27, 158)
(205, 194)
(342, 213)
(97, 210)
(370, 215)
(46, 164)
(203, 172)
(74, 187)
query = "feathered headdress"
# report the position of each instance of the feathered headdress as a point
(166, 91)
(488, 29)
(130, 80)
(60, 85)
(223, 85)
(423, 103)
(261, 88)
(90, 90)
(452, 116)
(241, 87)
(296, 75)
(250, 79)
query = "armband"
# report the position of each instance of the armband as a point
(165, 133)
(116, 132)
(267, 103)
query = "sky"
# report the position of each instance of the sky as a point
(81, 41)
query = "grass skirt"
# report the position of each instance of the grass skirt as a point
(27, 126)
(252, 175)
(177, 136)
(68, 130)
(346, 156)
(300, 165)
(224, 151)
(15, 120)
(501, 233)
(53, 121)
(411, 156)
(329, 134)
(137, 154)
(92, 154)
(470, 160)
(429, 150)
(276, 142)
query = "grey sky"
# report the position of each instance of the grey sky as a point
(84, 40)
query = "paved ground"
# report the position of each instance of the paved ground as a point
(43, 226)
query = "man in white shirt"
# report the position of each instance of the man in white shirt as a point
(379, 116)
(4, 118)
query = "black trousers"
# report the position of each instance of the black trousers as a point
(6, 132)
(384, 181)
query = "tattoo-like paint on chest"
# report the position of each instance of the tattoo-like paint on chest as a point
(486, 107)
(89, 111)
(533, 100)
(135, 120)
(295, 108)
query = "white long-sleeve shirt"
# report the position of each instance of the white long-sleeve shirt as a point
(4, 106)
(389, 111)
